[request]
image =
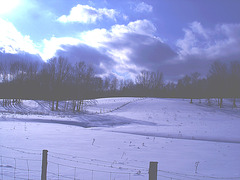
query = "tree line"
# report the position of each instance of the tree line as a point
(58, 80)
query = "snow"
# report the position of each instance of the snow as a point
(30, 103)
(116, 138)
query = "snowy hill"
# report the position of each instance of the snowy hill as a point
(116, 138)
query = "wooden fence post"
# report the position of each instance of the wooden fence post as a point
(153, 170)
(44, 165)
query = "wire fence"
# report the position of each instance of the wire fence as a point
(20, 164)
(26, 164)
(75, 167)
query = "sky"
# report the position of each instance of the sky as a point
(122, 38)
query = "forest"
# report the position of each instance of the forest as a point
(57, 80)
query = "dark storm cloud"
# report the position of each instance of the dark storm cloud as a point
(129, 49)
(197, 50)
(200, 47)
(178, 69)
(191, 64)
(21, 56)
(146, 51)
(75, 53)
(150, 52)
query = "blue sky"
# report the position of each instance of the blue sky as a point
(122, 38)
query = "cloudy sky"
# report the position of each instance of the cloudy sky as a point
(176, 37)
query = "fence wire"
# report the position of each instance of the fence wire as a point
(27, 166)
(92, 166)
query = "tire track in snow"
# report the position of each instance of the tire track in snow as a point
(86, 121)
(120, 107)
(182, 137)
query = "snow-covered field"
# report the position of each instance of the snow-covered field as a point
(116, 138)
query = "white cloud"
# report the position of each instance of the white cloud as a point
(124, 49)
(54, 44)
(125, 17)
(143, 7)
(12, 41)
(198, 28)
(88, 14)
(142, 27)
(8, 6)
(216, 43)
(133, 47)
(201, 46)
(99, 37)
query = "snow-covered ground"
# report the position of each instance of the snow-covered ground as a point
(116, 138)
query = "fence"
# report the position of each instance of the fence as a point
(26, 165)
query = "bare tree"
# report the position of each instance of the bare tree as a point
(183, 86)
(59, 70)
(144, 79)
(217, 79)
(32, 70)
(63, 70)
(80, 69)
(51, 70)
(1, 71)
(194, 87)
(156, 80)
(150, 83)
(234, 79)
(5, 71)
(98, 84)
(114, 84)
(106, 84)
